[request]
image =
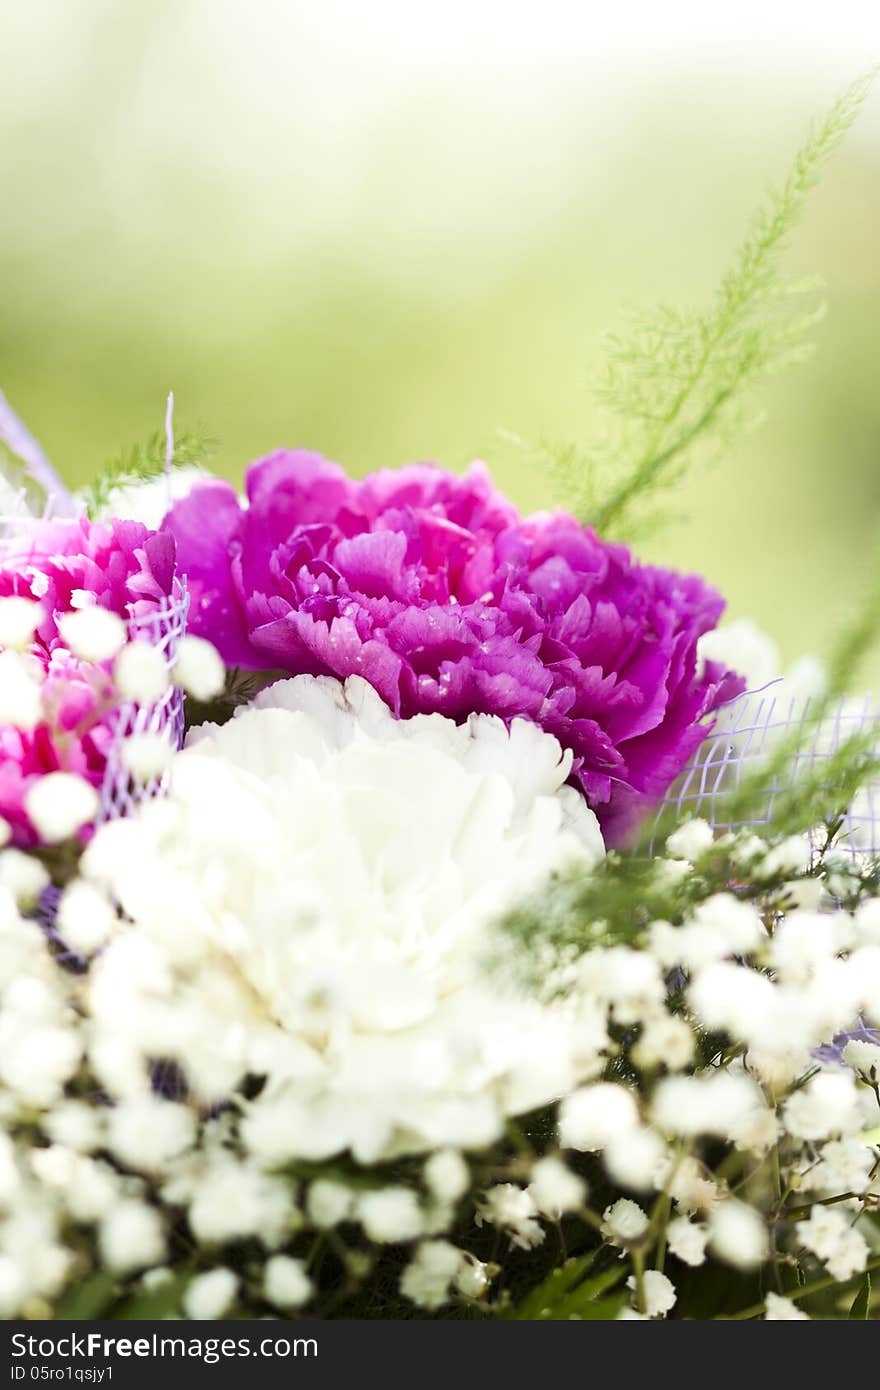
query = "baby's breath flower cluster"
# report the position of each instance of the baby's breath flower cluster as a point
(360, 1015)
(350, 1005)
(739, 1109)
(187, 1134)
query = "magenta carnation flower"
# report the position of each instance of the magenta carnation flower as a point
(120, 566)
(75, 736)
(437, 592)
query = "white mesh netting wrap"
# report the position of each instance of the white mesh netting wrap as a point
(164, 628)
(747, 731)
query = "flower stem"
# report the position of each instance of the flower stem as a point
(816, 1287)
(638, 1262)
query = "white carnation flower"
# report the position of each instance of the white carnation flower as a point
(318, 895)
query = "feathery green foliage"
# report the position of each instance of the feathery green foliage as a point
(144, 461)
(805, 794)
(624, 893)
(677, 384)
(677, 381)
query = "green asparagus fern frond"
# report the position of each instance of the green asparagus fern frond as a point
(677, 383)
(142, 462)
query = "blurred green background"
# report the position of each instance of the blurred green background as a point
(386, 231)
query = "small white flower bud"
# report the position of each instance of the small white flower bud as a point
(199, 669)
(19, 617)
(140, 673)
(93, 634)
(59, 805)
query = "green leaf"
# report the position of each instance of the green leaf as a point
(553, 1288)
(142, 462)
(90, 1298)
(565, 1293)
(601, 1310)
(162, 1301)
(862, 1299)
(584, 1301)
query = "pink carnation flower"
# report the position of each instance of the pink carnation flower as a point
(120, 566)
(438, 593)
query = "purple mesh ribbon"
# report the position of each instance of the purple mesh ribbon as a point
(832, 1053)
(15, 434)
(45, 914)
(746, 732)
(163, 627)
(120, 793)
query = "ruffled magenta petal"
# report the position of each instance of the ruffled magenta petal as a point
(437, 592)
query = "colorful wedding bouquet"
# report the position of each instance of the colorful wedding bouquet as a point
(398, 914)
